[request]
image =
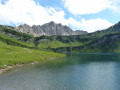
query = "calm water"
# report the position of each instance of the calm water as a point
(75, 72)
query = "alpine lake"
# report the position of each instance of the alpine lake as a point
(77, 71)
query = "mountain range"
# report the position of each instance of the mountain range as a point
(48, 29)
(56, 37)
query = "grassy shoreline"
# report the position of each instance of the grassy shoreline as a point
(11, 56)
(7, 68)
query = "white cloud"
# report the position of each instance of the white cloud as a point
(89, 6)
(27, 11)
(90, 25)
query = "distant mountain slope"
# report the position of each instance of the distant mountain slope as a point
(113, 29)
(11, 32)
(48, 29)
(14, 42)
(106, 43)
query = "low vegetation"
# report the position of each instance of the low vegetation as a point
(56, 44)
(14, 42)
(11, 55)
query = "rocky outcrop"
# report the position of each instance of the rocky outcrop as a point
(26, 29)
(56, 29)
(50, 28)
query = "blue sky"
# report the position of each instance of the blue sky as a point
(88, 15)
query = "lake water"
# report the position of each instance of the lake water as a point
(78, 71)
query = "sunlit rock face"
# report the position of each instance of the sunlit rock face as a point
(50, 28)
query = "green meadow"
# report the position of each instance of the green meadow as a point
(57, 44)
(12, 55)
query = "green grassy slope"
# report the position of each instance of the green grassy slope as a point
(11, 32)
(106, 43)
(117, 50)
(11, 55)
(56, 44)
(11, 41)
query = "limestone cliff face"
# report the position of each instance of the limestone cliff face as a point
(26, 29)
(50, 28)
(56, 29)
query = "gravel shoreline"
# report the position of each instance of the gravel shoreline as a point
(6, 68)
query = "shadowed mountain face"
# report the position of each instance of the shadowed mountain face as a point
(114, 28)
(50, 28)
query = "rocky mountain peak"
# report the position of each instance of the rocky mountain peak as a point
(50, 28)
(51, 22)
